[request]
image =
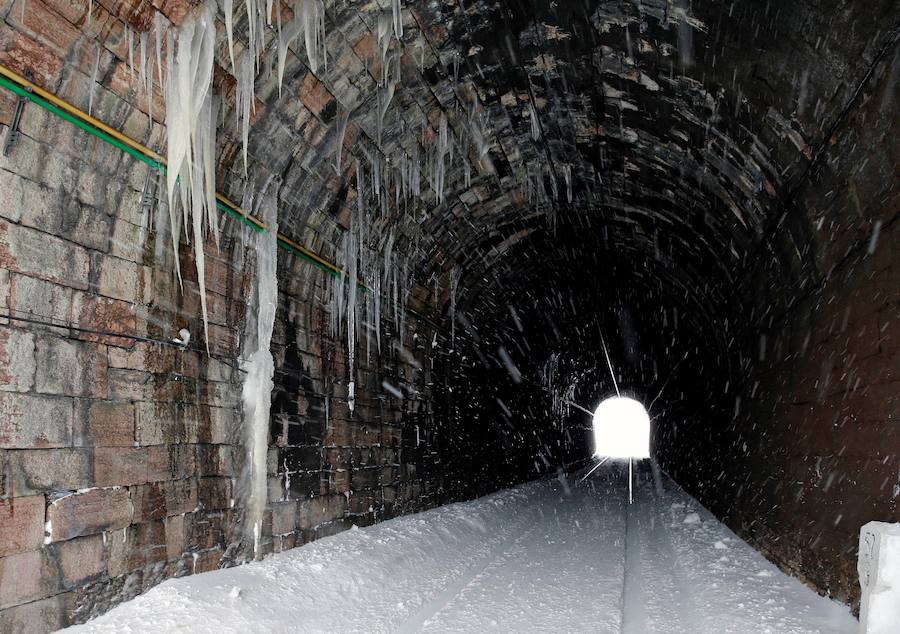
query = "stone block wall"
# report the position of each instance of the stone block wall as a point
(118, 449)
(121, 454)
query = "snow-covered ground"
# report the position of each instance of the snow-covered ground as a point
(549, 556)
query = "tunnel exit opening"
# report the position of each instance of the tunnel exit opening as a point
(621, 429)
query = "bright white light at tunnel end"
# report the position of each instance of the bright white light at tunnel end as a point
(621, 429)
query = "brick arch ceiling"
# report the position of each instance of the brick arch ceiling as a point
(653, 117)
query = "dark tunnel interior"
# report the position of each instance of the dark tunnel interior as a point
(460, 225)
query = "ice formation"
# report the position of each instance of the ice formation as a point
(312, 16)
(260, 367)
(343, 117)
(245, 101)
(190, 128)
(535, 124)
(94, 75)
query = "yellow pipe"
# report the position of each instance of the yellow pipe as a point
(64, 105)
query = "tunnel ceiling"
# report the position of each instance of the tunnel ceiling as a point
(654, 145)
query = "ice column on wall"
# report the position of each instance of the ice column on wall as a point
(260, 367)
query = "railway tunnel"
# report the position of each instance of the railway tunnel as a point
(273, 271)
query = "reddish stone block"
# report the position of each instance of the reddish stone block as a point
(79, 559)
(50, 27)
(149, 501)
(25, 250)
(23, 55)
(105, 318)
(121, 466)
(110, 424)
(92, 511)
(214, 493)
(35, 421)
(46, 615)
(21, 524)
(141, 545)
(207, 561)
(26, 577)
(314, 94)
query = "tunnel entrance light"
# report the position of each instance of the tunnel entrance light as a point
(621, 429)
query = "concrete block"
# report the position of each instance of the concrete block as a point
(879, 578)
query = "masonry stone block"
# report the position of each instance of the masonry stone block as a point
(21, 524)
(31, 252)
(35, 421)
(109, 424)
(80, 559)
(70, 367)
(48, 470)
(45, 615)
(17, 361)
(26, 577)
(88, 512)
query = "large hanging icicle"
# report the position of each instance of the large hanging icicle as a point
(245, 100)
(398, 19)
(343, 117)
(312, 15)
(190, 129)
(260, 367)
(228, 10)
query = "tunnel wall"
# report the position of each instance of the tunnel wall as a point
(811, 444)
(117, 448)
(121, 455)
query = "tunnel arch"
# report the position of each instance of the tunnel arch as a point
(718, 178)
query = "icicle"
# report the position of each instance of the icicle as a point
(341, 121)
(312, 16)
(245, 101)
(260, 367)
(90, 12)
(142, 57)
(567, 173)
(535, 125)
(384, 97)
(158, 28)
(352, 292)
(251, 26)
(282, 52)
(398, 19)
(94, 75)
(188, 127)
(228, 10)
(454, 284)
(130, 51)
(291, 31)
